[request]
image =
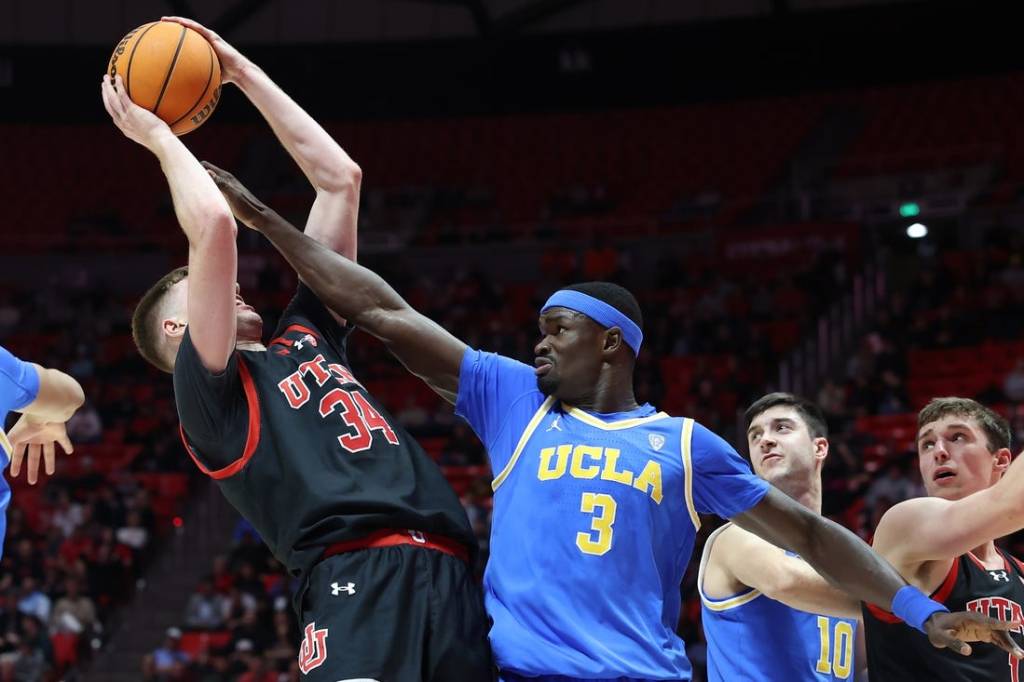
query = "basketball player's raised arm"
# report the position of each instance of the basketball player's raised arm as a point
(356, 293)
(740, 556)
(930, 528)
(333, 174)
(847, 562)
(205, 218)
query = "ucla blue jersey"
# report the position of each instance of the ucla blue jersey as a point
(19, 385)
(752, 638)
(593, 525)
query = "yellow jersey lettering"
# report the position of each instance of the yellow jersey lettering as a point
(577, 469)
(650, 477)
(549, 471)
(610, 473)
(586, 462)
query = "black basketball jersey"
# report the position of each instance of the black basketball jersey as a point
(899, 653)
(300, 447)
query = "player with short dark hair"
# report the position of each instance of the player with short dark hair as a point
(344, 498)
(596, 497)
(749, 586)
(945, 543)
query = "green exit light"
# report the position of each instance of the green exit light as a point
(910, 209)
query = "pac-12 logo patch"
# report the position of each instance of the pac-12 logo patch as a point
(313, 652)
(657, 440)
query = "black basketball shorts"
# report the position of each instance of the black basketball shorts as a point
(399, 613)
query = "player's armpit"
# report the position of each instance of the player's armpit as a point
(931, 529)
(778, 575)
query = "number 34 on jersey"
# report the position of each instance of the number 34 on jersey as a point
(352, 406)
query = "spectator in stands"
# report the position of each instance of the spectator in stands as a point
(31, 655)
(168, 662)
(133, 533)
(412, 415)
(889, 489)
(462, 449)
(832, 399)
(281, 650)
(74, 612)
(33, 601)
(258, 671)
(68, 514)
(86, 426)
(205, 609)
(1013, 384)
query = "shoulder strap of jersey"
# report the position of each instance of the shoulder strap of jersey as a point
(729, 602)
(523, 440)
(1012, 561)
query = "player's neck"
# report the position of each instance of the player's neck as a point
(610, 395)
(988, 555)
(806, 493)
(250, 345)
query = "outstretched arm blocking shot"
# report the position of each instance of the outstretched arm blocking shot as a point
(354, 292)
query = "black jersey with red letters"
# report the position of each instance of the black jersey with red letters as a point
(302, 450)
(899, 653)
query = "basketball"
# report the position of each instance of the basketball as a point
(170, 70)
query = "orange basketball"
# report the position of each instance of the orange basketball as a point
(170, 70)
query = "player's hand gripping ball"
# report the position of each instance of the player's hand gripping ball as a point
(171, 70)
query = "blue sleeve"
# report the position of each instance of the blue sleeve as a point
(723, 483)
(497, 396)
(19, 382)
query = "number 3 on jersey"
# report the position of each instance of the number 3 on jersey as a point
(356, 412)
(602, 506)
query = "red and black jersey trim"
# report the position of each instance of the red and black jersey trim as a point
(940, 595)
(252, 437)
(293, 328)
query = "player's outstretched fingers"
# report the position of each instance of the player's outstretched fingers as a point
(946, 640)
(1002, 639)
(35, 452)
(50, 458)
(65, 443)
(17, 457)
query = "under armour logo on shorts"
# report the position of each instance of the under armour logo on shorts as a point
(337, 588)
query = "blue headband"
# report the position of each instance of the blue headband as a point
(600, 312)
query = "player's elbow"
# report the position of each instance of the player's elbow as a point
(218, 225)
(344, 177)
(63, 396)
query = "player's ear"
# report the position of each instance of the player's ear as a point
(612, 340)
(820, 447)
(174, 327)
(1001, 460)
